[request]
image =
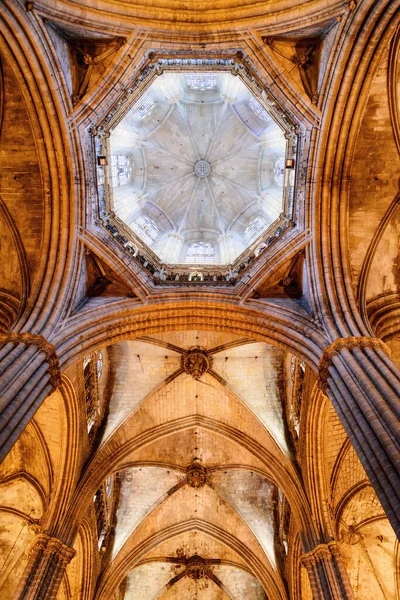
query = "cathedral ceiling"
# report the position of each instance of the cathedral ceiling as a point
(198, 168)
(204, 15)
(203, 486)
(177, 414)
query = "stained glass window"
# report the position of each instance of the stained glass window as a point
(142, 108)
(254, 229)
(121, 170)
(146, 229)
(200, 252)
(201, 81)
(99, 365)
(258, 110)
(279, 171)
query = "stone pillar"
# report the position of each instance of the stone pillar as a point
(226, 248)
(29, 372)
(363, 385)
(327, 574)
(48, 559)
(270, 204)
(172, 249)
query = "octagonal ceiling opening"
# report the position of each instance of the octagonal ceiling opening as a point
(196, 168)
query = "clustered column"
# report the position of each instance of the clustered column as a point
(327, 574)
(29, 372)
(48, 559)
(363, 384)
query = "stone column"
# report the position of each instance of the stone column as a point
(363, 384)
(226, 248)
(29, 372)
(48, 559)
(327, 574)
(170, 253)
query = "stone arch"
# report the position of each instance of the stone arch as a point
(114, 458)
(278, 326)
(111, 579)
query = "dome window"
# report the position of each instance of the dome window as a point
(120, 170)
(254, 229)
(142, 108)
(258, 110)
(201, 82)
(200, 252)
(146, 229)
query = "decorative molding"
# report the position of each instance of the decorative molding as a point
(42, 345)
(348, 343)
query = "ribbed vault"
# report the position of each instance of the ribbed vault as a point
(179, 407)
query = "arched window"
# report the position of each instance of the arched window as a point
(257, 109)
(99, 365)
(201, 82)
(142, 108)
(146, 229)
(279, 171)
(200, 252)
(121, 169)
(254, 229)
(91, 396)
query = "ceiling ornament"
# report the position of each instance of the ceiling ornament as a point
(202, 168)
(196, 362)
(196, 475)
(196, 568)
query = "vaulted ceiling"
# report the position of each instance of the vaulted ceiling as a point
(193, 435)
(198, 160)
(202, 488)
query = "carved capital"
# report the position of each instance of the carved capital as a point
(45, 544)
(340, 344)
(64, 553)
(37, 545)
(320, 553)
(42, 345)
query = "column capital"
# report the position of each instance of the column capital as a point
(348, 343)
(42, 345)
(319, 553)
(50, 545)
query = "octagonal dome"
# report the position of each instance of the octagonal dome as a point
(197, 168)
